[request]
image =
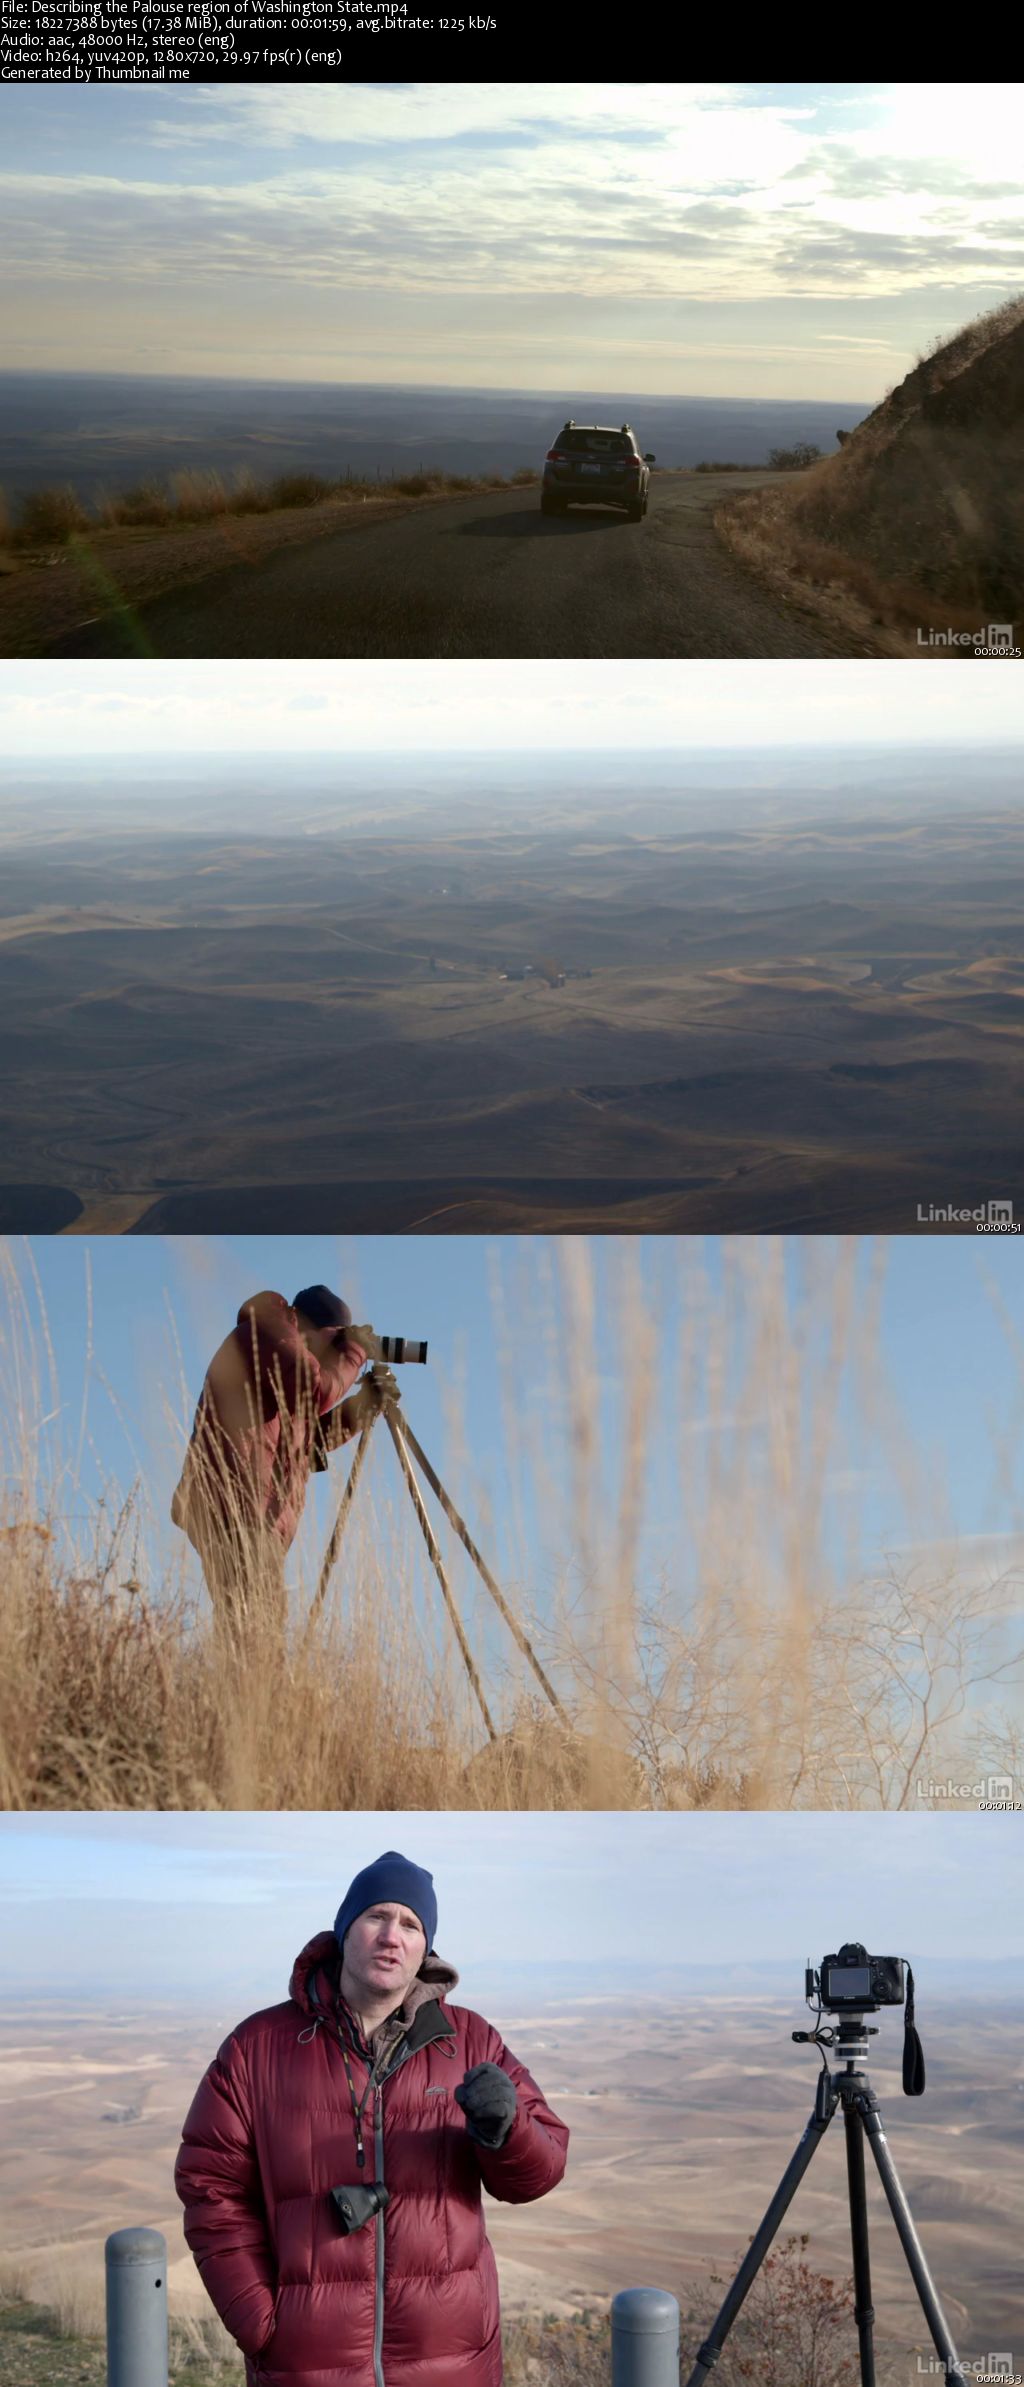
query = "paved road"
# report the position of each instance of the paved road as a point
(488, 575)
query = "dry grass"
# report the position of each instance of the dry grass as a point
(718, 1629)
(51, 517)
(919, 520)
(53, 2329)
(796, 2329)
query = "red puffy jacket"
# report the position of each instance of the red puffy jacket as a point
(249, 1459)
(409, 2300)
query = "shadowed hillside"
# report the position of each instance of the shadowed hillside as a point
(921, 514)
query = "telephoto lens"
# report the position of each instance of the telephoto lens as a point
(396, 1348)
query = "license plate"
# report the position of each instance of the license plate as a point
(590, 468)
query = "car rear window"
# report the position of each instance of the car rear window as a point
(597, 443)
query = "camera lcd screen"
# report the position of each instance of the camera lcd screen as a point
(849, 1980)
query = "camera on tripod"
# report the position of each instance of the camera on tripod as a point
(849, 1985)
(854, 1982)
(356, 2206)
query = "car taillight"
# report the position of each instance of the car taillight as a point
(555, 456)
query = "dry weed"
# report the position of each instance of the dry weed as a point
(717, 1632)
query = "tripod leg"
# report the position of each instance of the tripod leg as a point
(864, 2311)
(437, 1563)
(758, 2248)
(483, 1570)
(911, 2243)
(344, 1505)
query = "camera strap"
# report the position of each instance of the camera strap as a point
(358, 2103)
(913, 2052)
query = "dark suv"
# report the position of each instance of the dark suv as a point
(591, 464)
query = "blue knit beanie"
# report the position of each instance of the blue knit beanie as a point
(391, 1880)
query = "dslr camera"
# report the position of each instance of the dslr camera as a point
(356, 2206)
(855, 1983)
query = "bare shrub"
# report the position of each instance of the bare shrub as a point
(248, 495)
(50, 517)
(148, 504)
(794, 459)
(299, 489)
(418, 484)
(550, 2351)
(198, 496)
(795, 2329)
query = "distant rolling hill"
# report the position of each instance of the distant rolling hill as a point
(108, 431)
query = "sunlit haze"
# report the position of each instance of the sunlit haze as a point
(749, 240)
(97, 708)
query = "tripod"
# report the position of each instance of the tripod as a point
(405, 1443)
(852, 2089)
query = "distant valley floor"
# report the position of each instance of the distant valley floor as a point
(812, 1024)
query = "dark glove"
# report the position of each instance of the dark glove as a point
(366, 1403)
(488, 2100)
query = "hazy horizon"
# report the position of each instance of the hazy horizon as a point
(99, 708)
(511, 1888)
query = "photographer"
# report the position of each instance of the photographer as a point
(367, 2084)
(270, 1412)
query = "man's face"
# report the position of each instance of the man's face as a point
(327, 1343)
(384, 1949)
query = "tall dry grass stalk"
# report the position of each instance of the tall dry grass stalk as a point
(62, 2290)
(795, 2330)
(52, 516)
(677, 1522)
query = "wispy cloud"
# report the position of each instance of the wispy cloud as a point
(181, 706)
(591, 197)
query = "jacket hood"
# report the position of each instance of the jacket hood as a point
(314, 1983)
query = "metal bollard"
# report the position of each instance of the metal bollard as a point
(137, 2309)
(645, 2338)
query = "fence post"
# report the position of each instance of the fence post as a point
(645, 2338)
(137, 2309)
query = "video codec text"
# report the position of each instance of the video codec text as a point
(170, 41)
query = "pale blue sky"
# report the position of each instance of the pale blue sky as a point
(178, 707)
(179, 1901)
(771, 240)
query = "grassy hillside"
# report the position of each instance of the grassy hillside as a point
(921, 514)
